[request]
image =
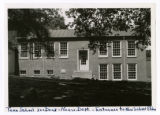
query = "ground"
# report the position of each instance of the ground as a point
(25, 91)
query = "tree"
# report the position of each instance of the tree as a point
(30, 23)
(101, 21)
(37, 21)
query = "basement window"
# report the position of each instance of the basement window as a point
(36, 72)
(22, 72)
(50, 72)
(103, 71)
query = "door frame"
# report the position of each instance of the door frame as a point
(78, 63)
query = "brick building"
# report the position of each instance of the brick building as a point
(69, 57)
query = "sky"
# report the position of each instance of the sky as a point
(67, 20)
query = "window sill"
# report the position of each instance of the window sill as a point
(50, 57)
(23, 57)
(131, 56)
(117, 79)
(132, 79)
(100, 56)
(64, 57)
(117, 56)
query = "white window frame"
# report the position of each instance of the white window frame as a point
(101, 56)
(135, 50)
(120, 49)
(20, 52)
(54, 51)
(49, 70)
(22, 74)
(34, 52)
(113, 72)
(127, 72)
(107, 71)
(38, 70)
(60, 49)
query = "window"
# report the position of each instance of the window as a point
(63, 49)
(36, 72)
(116, 49)
(37, 49)
(131, 48)
(50, 72)
(103, 71)
(103, 50)
(22, 72)
(50, 49)
(117, 72)
(132, 71)
(24, 50)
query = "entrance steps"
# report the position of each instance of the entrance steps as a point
(82, 74)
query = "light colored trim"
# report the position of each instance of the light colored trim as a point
(113, 72)
(67, 56)
(127, 72)
(78, 63)
(135, 49)
(34, 52)
(120, 49)
(103, 56)
(19, 49)
(107, 72)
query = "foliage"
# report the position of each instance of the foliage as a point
(37, 21)
(101, 22)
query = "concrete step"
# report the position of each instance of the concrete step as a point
(82, 74)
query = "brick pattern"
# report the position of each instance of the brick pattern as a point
(65, 67)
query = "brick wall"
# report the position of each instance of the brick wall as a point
(65, 67)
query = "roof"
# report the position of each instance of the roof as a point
(70, 33)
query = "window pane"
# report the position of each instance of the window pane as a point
(23, 53)
(63, 48)
(50, 49)
(131, 48)
(37, 49)
(103, 49)
(24, 50)
(131, 71)
(103, 71)
(117, 71)
(116, 48)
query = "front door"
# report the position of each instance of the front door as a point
(83, 60)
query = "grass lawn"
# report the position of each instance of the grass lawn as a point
(24, 91)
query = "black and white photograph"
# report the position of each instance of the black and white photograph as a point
(67, 57)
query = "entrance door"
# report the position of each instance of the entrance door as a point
(83, 60)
